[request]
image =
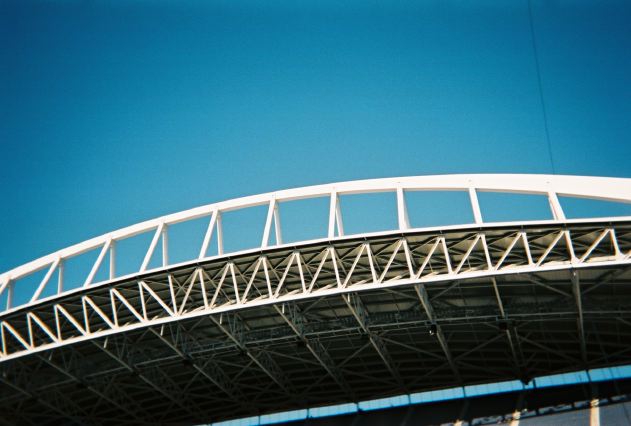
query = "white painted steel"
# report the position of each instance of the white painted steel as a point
(555, 251)
(552, 186)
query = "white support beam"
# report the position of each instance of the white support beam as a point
(402, 211)
(233, 328)
(594, 412)
(165, 245)
(152, 376)
(509, 336)
(273, 216)
(277, 227)
(209, 234)
(60, 277)
(299, 284)
(421, 292)
(219, 234)
(209, 369)
(45, 280)
(293, 316)
(112, 259)
(610, 189)
(576, 291)
(97, 264)
(335, 216)
(152, 247)
(475, 205)
(555, 206)
(360, 313)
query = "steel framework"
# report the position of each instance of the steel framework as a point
(342, 318)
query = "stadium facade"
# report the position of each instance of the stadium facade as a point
(311, 323)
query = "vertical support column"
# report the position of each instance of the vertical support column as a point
(402, 211)
(518, 408)
(335, 216)
(576, 290)
(113, 260)
(475, 205)
(165, 245)
(219, 234)
(60, 280)
(594, 412)
(10, 291)
(555, 206)
(5, 287)
(273, 215)
(277, 228)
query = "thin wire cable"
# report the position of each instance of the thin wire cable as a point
(543, 105)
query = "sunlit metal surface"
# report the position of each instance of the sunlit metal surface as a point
(337, 319)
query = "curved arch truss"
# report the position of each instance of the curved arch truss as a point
(323, 321)
(342, 268)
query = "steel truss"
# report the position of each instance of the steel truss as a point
(530, 300)
(280, 277)
(324, 321)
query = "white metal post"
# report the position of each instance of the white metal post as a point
(165, 245)
(97, 264)
(475, 205)
(112, 259)
(332, 214)
(277, 227)
(152, 247)
(10, 291)
(219, 235)
(402, 211)
(209, 234)
(271, 210)
(60, 276)
(555, 206)
(44, 281)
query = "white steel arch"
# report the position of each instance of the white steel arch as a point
(205, 312)
(552, 186)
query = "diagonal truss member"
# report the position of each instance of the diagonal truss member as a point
(421, 292)
(294, 317)
(233, 327)
(359, 311)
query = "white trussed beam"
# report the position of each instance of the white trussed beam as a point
(600, 188)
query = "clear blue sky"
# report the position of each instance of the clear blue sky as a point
(116, 112)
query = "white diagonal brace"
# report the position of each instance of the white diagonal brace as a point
(335, 216)
(359, 311)
(216, 375)
(45, 280)
(208, 235)
(98, 262)
(233, 327)
(555, 206)
(293, 316)
(475, 205)
(153, 376)
(421, 292)
(402, 211)
(273, 216)
(509, 336)
(576, 291)
(152, 247)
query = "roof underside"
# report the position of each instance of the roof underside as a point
(331, 348)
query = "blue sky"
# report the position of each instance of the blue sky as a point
(116, 112)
